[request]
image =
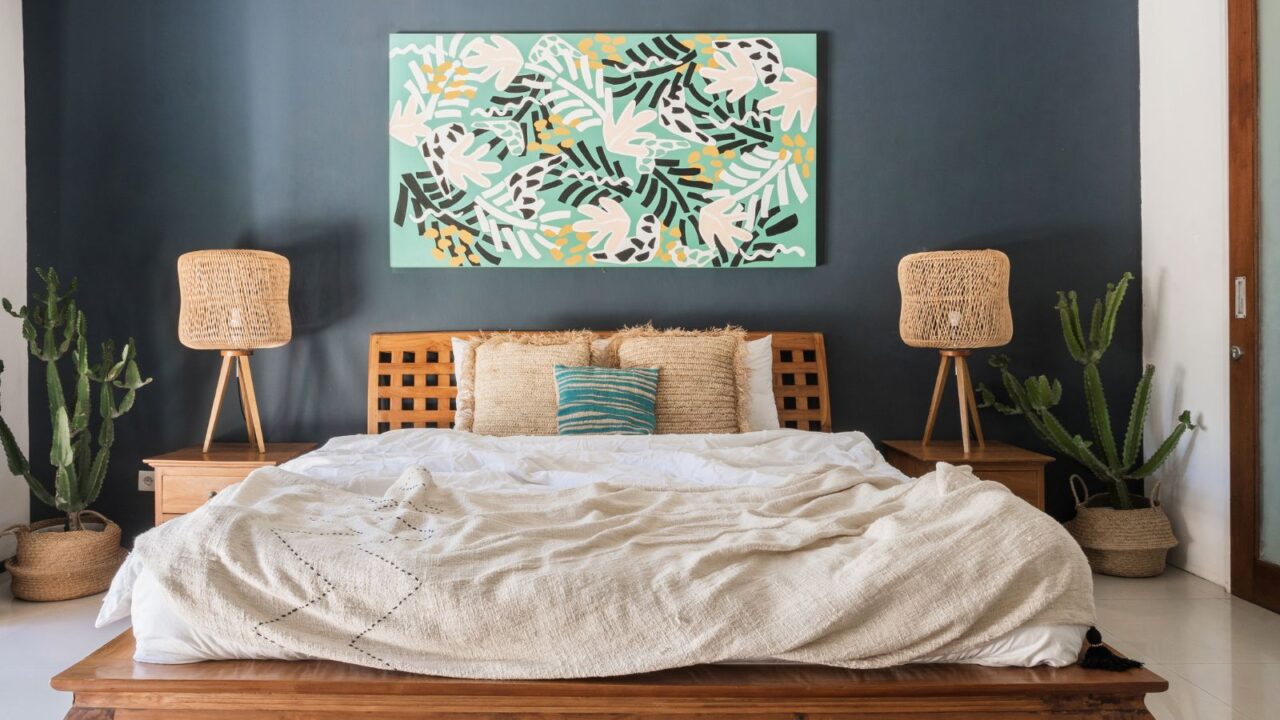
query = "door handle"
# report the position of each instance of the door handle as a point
(1236, 352)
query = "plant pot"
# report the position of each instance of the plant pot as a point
(1125, 543)
(55, 564)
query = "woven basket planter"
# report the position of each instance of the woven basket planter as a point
(61, 565)
(1124, 543)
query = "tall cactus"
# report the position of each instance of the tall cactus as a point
(53, 328)
(1035, 397)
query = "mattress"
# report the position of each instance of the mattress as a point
(369, 465)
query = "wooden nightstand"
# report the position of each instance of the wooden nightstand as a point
(1022, 471)
(187, 478)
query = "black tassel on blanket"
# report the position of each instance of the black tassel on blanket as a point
(1100, 657)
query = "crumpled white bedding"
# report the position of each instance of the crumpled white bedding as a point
(369, 465)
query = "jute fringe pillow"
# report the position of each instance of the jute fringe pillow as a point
(702, 375)
(507, 386)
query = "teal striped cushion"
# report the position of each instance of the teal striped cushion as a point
(605, 401)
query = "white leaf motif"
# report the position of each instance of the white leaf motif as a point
(499, 59)
(624, 136)
(461, 167)
(409, 122)
(797, 96)
(607, 222)
(716, 224)
(735, 74)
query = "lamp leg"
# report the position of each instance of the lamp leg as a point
(244, 403)
(252, 421)
(938, 386)
(964, 401)
(973, 405)
(223, 375)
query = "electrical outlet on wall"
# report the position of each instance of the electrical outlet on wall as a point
(146, 481)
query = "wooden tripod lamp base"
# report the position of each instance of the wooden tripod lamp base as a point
(248, 400)
(964, 390)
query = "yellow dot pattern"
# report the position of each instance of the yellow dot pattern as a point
(452, 243)
(554, 134)
(602, 47)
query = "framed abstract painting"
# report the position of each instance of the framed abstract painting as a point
(671, 150)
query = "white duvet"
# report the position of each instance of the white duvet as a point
(168, 630)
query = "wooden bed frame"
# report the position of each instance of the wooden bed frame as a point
(411, 384)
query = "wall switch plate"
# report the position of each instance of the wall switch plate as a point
(146, 481)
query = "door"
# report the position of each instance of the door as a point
(1254, 75)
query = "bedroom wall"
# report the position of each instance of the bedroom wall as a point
(166, 127)
(13, 258)
(1184, 266)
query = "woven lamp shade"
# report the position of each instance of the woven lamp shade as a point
(233, 300)
(955, 299)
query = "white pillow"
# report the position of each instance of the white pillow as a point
(461, 357)
(762, 408)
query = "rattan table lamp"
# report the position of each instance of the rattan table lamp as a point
(234, 301)
(955, 301)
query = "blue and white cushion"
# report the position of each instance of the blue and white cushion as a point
(606, 401)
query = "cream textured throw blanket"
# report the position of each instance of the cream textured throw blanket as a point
(836, 566)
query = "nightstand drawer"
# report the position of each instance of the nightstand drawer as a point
(1022, 471)
(1026, 484)
(189, 478)
(182, 492)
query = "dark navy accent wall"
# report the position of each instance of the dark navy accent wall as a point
(161, 127)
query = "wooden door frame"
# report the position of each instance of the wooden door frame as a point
(1250, 578)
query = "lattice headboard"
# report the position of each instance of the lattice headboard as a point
(411, 380)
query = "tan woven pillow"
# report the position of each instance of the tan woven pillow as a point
(509, 387)
(701, 376)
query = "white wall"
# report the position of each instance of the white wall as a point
(13, 256)
(1183, 56)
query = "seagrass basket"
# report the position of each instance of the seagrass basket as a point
(64, 565)
(1125, 543)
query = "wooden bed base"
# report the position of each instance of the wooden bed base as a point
(412, 384)
(109, 685)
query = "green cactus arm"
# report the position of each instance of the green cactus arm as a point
(32, 337)
(1137, 417)
(107, 432)
(1166, 448)
(53, 386)
(8, 308)
(106, 402)
(67, 492)
(17, 460)
(73, 326)
(1069, 316)
(988, 400)
(1074, 446)
(83, 452)
(83, 406)
(1100, 416)
(1095, 323)
(1115, 297)
(19, 466)
(126, 402)
(96, 475)
(60, 452)
(132, 378)
(50, 278)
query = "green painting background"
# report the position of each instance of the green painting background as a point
(410, 249)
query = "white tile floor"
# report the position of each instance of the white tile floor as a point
(1220, 654)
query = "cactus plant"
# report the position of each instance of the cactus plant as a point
(53, 328)
(1035, 397)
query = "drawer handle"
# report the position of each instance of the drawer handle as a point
(212, 493)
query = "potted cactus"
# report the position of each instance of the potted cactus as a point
(1121, 535)
(68, 557)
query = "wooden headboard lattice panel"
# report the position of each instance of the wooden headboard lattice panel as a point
(412, 383)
